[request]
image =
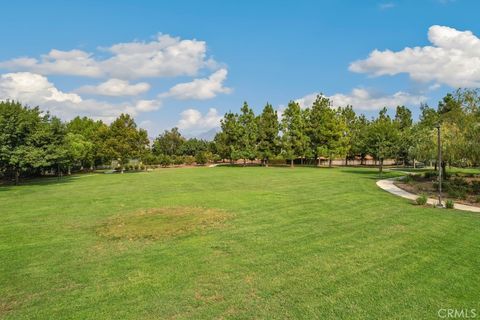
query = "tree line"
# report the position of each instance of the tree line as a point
(322, 131)
(33, 142)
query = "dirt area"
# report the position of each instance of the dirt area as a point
(162, 223)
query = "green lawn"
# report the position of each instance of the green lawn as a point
(234, 243)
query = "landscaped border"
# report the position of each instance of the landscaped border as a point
(389, 186)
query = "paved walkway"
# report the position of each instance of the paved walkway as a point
(387, 185)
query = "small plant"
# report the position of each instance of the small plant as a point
(421, 200)
(430, 174)
(449, 204)
(408, 178)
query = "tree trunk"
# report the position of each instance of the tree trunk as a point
(436, 166)
(444, 170)
(17, 176)
(291, 163)
(381, 166)
(330, 162)
(317, 158)
(244, 162)
(414, 164)
(70, 170)
(266, 162)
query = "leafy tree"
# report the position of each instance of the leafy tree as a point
(79, 150)
(169, 143)
(382, 139)
(125, 141)
(94, 133)
(327, 130)
(404, 121)
(294, 138)
(193, 146)
(268, 128)
(247, 133)
(231, 133)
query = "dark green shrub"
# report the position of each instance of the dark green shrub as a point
(449, 204)
(430, 175)
(457, 193)
(421, 200)
(475, 187)
(408, 178)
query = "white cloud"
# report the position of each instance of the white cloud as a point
(201, 89)
(192, 119)
(386, 5)
(454, 59)
(34, 89)
(115, 88)
(363, 99)
(165, 56)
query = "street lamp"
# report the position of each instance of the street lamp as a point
(439, 145)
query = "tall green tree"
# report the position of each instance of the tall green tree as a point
(294, 137)
(230, 135)
(168, 143)
(268, 128)
(327, 130)
(125, 141)
(382, 139)
(404, 121)
(248, 133)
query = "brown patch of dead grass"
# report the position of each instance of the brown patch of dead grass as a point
(162, 223)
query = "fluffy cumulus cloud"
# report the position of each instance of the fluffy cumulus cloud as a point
(365, 100)
(25, 79)
(115, 88)
(166, 56)
(452, 59)
(194, 120)
(200, 89)
(34, 89)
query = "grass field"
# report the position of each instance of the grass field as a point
(233, 243)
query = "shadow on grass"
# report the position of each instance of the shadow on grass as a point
(39, 181)
(372, 173)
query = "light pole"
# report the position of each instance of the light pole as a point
(440, 205)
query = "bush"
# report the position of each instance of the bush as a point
(178, 160)
(457, 193)
(202, 157)
(189, 160)
(430, 174)
(165, 160)
(421, 200)
(475, 187)
(449, 204)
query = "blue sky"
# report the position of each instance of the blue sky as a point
(232, 51)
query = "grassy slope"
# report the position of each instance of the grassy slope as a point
(303, 243)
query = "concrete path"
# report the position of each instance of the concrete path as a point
(387, 185)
